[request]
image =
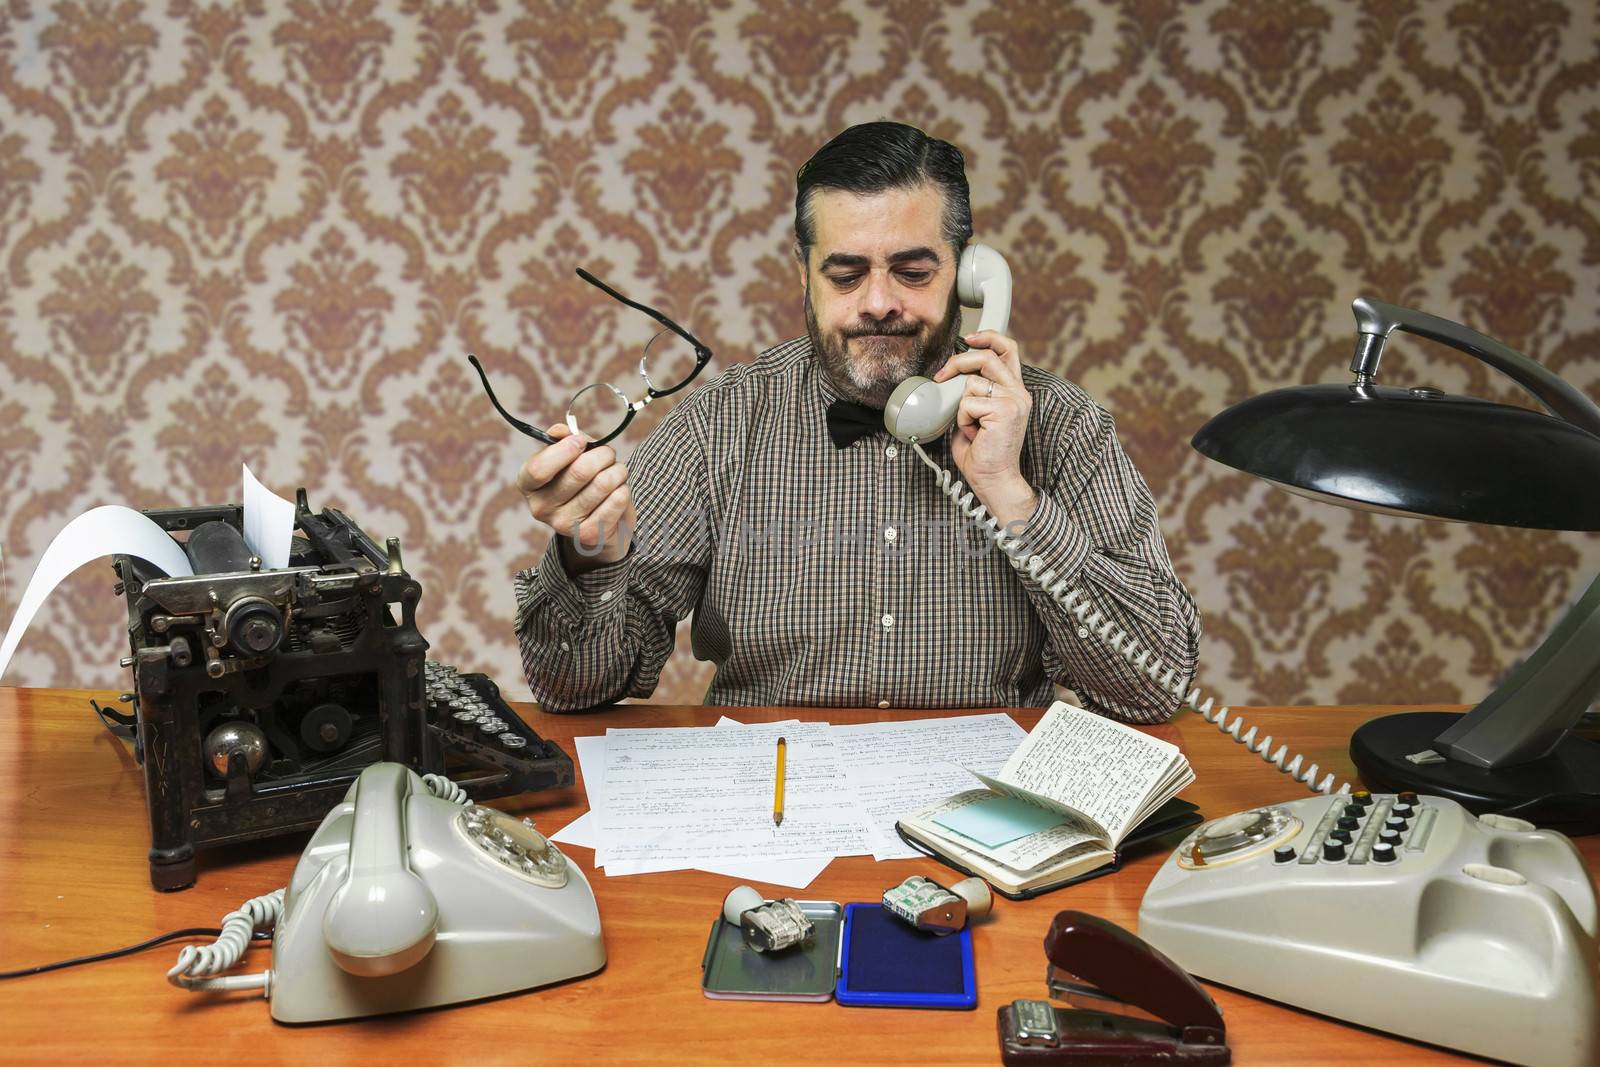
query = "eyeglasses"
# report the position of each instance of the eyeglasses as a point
(671, 360)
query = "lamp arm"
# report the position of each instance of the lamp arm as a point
(1375, 320)
(1542, 699)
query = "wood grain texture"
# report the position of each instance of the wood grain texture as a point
(73, 880)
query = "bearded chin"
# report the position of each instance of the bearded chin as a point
(880, 363)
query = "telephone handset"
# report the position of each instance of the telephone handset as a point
(920, 410)
(382, 918)
(410, 896)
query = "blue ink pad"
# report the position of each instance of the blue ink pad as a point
(887, 963)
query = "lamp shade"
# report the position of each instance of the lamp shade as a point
(1416, 452)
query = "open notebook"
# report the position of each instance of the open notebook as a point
(1078, 788)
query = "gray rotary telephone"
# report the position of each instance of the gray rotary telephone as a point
(409, 896)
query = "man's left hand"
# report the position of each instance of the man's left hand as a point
(992, 424)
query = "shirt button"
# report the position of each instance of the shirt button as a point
(1082, 632)
(891, 451)
(607, 595)
(565, 647)
(883, 703)
(888, 621)
(890, 534)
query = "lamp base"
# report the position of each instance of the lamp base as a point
(1557, 791)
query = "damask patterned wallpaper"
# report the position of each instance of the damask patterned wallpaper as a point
(271, 231)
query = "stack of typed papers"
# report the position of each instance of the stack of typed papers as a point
(701, 797)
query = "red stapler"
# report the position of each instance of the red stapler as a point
(1092, 957)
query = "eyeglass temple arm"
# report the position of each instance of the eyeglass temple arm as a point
(699, 348)
(516, 423)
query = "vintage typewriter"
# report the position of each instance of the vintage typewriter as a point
(260, 694)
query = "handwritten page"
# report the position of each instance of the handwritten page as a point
(898, 767)
(884, 798)
(795, 873)
(703, 795)
(584, 831)
(968, 741)
(1091, 765)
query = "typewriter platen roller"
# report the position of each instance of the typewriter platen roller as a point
(260, 694)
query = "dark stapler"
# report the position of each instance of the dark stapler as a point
(1092, 957)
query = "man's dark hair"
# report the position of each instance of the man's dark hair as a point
(876, 156)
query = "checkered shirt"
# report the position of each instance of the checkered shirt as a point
(821, 576)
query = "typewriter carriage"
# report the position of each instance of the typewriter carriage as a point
(259, 695)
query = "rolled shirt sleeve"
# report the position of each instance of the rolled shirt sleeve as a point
(603, 635)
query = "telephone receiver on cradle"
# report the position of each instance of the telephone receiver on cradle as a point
(407, 900)
(921, 409)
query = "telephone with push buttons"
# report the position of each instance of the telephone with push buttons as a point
(1399, 912)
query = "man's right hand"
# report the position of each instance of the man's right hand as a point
(583, 496)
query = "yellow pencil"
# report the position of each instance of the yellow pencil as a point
(777, 790)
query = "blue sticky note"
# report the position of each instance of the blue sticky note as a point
(998, 819)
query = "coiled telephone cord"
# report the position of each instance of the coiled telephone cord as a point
(445, 789)
(1119, 640)
(198, 965)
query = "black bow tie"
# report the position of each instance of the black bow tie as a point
(849, 422)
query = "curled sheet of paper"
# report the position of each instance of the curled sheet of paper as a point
(268, 522)
(102, 531)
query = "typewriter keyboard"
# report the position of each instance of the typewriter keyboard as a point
(469, 708)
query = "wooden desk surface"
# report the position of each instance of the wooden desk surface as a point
(73, 881)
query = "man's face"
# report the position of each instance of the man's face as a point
(880, 289)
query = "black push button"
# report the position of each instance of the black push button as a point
(1333, 850)
(1283, 854)
(1383, 852)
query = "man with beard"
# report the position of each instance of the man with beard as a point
(821, 560)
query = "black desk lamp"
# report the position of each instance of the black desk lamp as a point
(1423, 453)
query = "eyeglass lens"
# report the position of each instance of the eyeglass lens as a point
(599, 410)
